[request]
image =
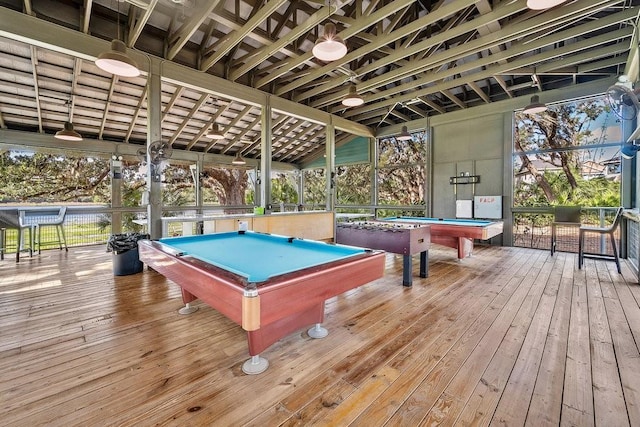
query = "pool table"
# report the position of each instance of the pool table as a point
(455, 233)
(405, 239)
(270, 285)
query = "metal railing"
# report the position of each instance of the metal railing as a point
(91, 225)
(532, 229)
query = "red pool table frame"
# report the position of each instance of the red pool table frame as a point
(268, 310)
(457, 236)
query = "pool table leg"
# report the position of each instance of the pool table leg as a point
(187, 297)
(256, 365)
(465, 247)
(318, 331)
(188, 309)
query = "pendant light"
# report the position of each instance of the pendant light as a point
(214, 132)
(352, 99)
(535, 106)
(116, 61)
(330, 46)
(68, 133)
(543, 4)
(238, 160)
(404, 135)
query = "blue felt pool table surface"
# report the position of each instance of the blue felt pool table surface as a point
(258, 256)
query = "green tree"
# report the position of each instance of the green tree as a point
(283, 188)
(229, 186)
(353, 184)
(402, 170)
(552, 148)
(315, 193)
(53, 178)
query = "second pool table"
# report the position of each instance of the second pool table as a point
(455, 233)
(270, 285)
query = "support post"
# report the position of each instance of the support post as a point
(154, 133)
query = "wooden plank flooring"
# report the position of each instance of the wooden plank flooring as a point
(510, 336)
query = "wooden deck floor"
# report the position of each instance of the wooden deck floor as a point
(510, 336)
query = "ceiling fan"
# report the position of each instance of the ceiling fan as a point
(159, 151)
(623, 99)
(624, 102)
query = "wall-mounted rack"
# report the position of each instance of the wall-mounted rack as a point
(464, 179)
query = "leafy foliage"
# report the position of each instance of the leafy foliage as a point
(314, 187)
(554, 152)
(283, 188)
(402, 170)
(353, 184)
(53, 178)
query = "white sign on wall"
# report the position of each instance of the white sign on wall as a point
(487, 207)
(464, 209)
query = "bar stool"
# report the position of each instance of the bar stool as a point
(14, 219)
(564, 216)
(55, 219)
(600, 231)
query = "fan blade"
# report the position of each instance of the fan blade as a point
(159, 151)
(623, 101)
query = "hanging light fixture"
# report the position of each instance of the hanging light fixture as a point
(535, 106)
(68, 133)
(352, 99)
(214, 132)
(116, 61)
(404, 135)
(238, 160)
(543, 4)
(330, 46)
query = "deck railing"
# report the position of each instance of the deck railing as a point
(91, 225)
(532, 229)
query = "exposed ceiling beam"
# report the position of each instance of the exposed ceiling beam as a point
(238, 117)
(499, 69)
(107, 105)
(509, 33)
(184, 33)
(236, 36)
(477, 89)
(193, 110)
(138, 24)
(86, 16)
(432, 104)
(141, 100)
(36, 86)
(485, 63)
(261, 54)
(503, 85)
(381, 41)
(174, 98)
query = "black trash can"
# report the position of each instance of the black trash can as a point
(126, 259)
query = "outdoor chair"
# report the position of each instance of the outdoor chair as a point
(564, 216)
(14, 219)
(600, 231)
(41, 218)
